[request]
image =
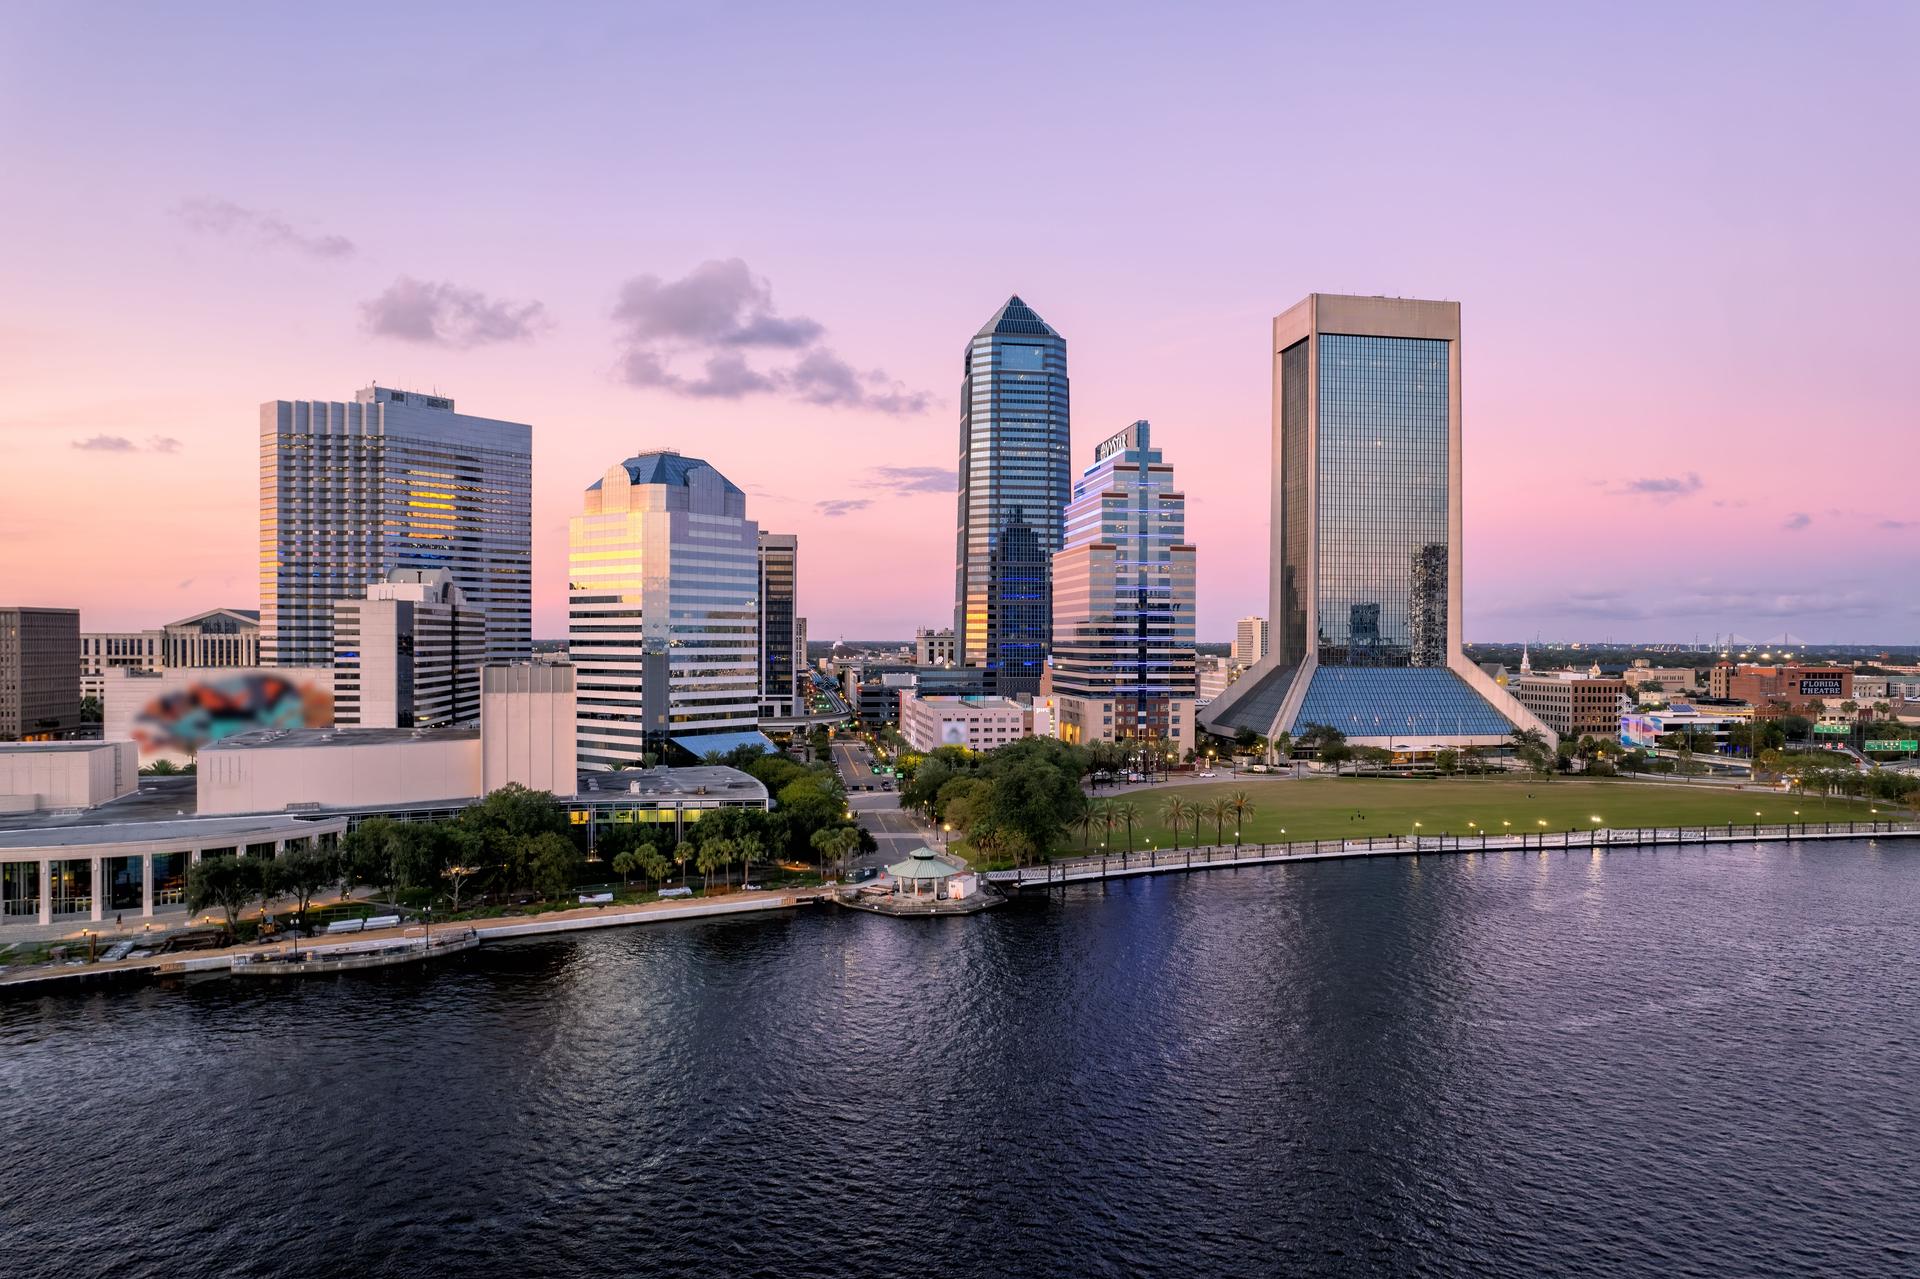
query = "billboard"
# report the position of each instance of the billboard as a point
(172, 714)
(1820, 686)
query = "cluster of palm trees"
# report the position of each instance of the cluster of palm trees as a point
(1177, 812)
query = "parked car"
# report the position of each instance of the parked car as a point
(1136, 777)
(1206, 772)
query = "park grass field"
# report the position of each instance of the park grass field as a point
(1349, 807)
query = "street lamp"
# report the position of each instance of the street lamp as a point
(946, 833)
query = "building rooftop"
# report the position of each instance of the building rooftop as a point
(92, 828)
(713, 780)
(1016, 318)
(665, 467)
(35, 748)
(960, 701)
(291, 738)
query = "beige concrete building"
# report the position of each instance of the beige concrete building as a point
(39, 673)
(1575, 706)
(409, 654)
(378, 768)
(977, 723)
(933, 647)
(1667, 679)
(36, 776)
(527, 727)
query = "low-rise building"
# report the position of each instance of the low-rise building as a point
(331, 768)
(1781, 688)
(1710, 730)
(1667, 679)
(225, 637)
(37, 776)
(977, 723)
(1574, 705)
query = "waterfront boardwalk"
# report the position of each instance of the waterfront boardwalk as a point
(1166, 861)
(495, 930)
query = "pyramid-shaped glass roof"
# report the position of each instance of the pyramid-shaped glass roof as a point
(1016, 317)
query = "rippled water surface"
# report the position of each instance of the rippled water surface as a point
(1647, 1063)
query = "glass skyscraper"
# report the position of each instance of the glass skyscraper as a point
(1123, 597)
(781, 657)
(663, 617)
(1014, 476)
(396, 479)
(1365, 571)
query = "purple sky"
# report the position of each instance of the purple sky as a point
(1683, 239)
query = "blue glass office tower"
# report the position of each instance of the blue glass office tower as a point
(1013, 494)
(1364, 580)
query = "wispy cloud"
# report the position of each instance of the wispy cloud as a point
(1898, 524)
(270, 230)
(915, 479)
(834, 507)
(1608, 604)
(121, 444)
(691, 336)
(1797, 521)
(443, 314)
(1663, 488)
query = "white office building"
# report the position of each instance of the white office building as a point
(1249, 640)
(408, 655)
(396, 479)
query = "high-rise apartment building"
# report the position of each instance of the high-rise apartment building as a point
(1364, 584)
(1249, 640)
(780, 654)
(408, 655)
(663, 622)
(396, 479)
(1014, 477)
(1123, 602)
(39, 673)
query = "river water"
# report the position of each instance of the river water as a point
(1651, 1062)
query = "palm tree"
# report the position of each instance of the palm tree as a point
(1088, 819)
(1282, 744)
(1174, 812)
(751, 850)
(1197, 812)
(1220, 810)
(1241, 804)
(1127, 814)
(1109, 818)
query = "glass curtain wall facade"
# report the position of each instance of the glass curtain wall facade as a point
(1364, 586)
(663, 626)
(1123, 603)
(779, 642)
(1014, 477)
(396, 479)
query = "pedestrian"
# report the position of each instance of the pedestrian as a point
(116, 922)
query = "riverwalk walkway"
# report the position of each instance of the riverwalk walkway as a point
(495, 930)
(1165, 861)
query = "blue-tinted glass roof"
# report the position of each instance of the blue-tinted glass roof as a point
(664, 468)
(1016, 317)
(1393, 701)
(706, 743)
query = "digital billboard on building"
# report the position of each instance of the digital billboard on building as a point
(172, 714)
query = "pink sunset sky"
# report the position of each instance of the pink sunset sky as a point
(1683, 238)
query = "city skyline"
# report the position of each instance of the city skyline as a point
(1683, 406)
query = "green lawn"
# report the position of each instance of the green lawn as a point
(1341, 808)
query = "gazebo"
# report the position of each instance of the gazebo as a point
(926, 874)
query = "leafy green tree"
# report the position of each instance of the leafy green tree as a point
(505, 824)
(554, 864)
(229, 883)
(367, 854)
(1446, 761)
(305, 873)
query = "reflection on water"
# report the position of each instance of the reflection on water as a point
(1636, 1062)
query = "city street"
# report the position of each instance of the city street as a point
(897, 831)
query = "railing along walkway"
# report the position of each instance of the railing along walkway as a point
(1152, 861)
